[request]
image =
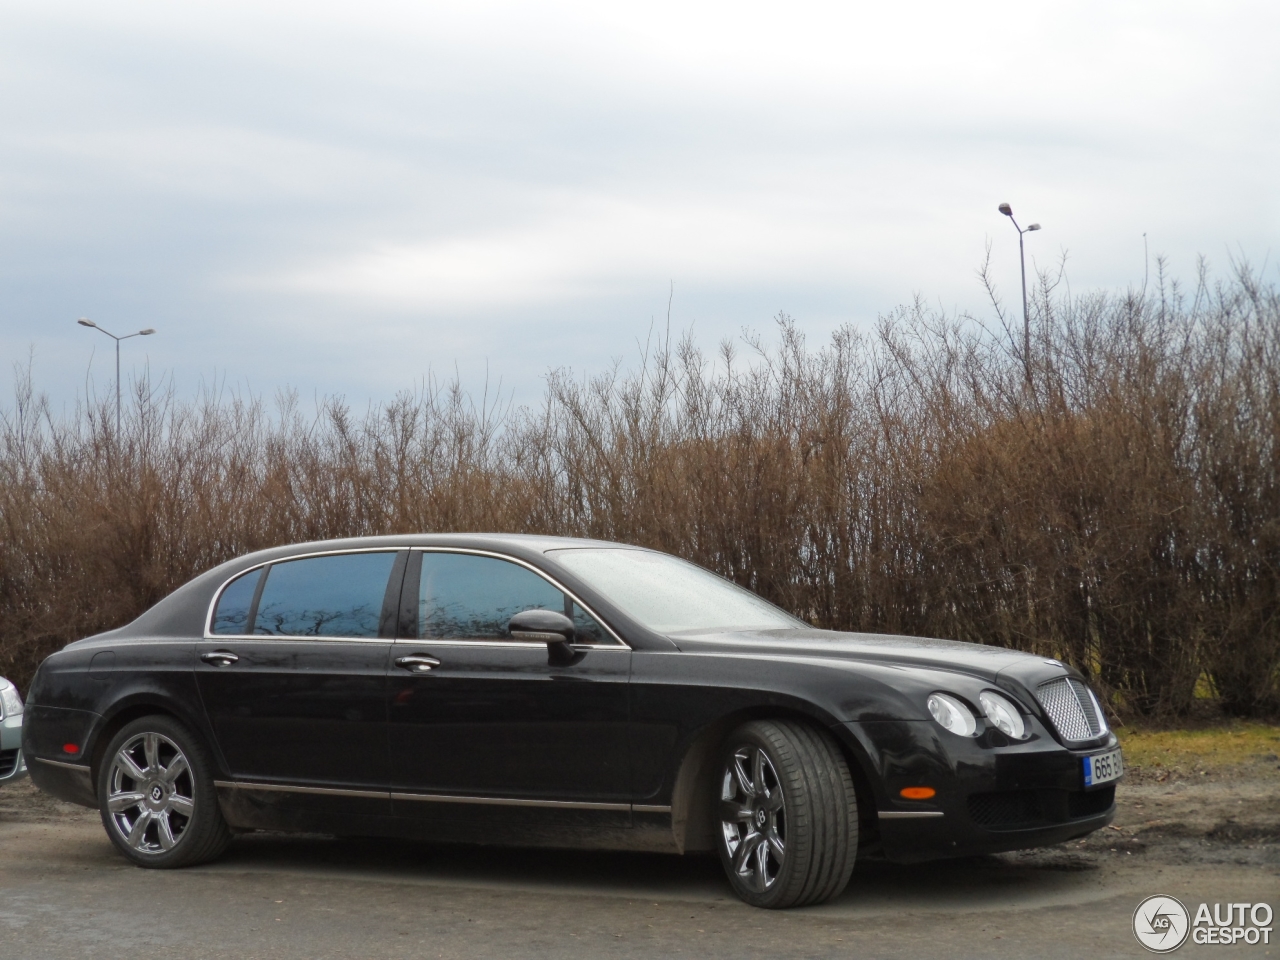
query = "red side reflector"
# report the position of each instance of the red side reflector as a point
(918, 793)
(70, 748)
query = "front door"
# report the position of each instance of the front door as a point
(294, 678)
(481, 725)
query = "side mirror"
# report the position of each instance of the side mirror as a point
(555, 629)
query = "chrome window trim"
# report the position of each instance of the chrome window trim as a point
(213, 605)
(521, 644)
(293, 639)
(621, 644)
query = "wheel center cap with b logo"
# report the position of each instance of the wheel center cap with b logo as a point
(761, 817)
(157, 794)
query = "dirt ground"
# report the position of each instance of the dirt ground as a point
(1201, 832)
(1205, 807)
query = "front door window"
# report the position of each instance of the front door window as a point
(467, 597)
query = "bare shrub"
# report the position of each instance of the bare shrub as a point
(1122, 512)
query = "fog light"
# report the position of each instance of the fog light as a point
(1002, 712)
(952, 715)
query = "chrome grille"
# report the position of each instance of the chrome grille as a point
(1070, 707)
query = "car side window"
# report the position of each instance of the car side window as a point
(332, 596)
(466, 597)
(588, 630)
(231, 616)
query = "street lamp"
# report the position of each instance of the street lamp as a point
(86, 322)
(1026, 314)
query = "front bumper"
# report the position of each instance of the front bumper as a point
(992, 795)
(12, 764)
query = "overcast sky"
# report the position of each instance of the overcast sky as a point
(342, 197)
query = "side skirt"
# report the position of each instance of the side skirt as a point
(503, 821)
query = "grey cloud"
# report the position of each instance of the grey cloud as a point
(335, 200)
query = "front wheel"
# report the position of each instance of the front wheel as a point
(156, 795)
(787, 814)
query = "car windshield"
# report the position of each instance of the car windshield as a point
(669, 595)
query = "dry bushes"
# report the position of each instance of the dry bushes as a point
(1122, 512)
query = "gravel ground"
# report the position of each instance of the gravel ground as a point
(65, 893)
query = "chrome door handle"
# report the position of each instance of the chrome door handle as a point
(417, 663)
(219, 658)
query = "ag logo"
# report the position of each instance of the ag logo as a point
(1161, 924)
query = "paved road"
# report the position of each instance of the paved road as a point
(64, 893)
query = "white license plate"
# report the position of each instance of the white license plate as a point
(1102, 767)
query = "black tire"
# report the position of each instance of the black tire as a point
(792, 841)
(166, 812)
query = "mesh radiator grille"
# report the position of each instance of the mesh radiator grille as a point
(1071, 709)
(1008, 810)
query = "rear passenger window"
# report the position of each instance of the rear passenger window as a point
(232, 613)
(334, 596)
(466, 597)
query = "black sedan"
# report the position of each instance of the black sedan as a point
(557, 692)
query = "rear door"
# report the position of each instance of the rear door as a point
(293, 675)
(486, 727)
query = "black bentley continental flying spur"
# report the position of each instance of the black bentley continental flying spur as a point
(557, 692)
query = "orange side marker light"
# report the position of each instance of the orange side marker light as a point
(918, 793)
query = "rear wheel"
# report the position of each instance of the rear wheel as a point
(787, 813)
(156, 795)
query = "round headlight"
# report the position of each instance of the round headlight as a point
(952, 715)
(1004, 714)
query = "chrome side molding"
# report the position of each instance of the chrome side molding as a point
(511, 802)
(436, 797)
(908, 814)
(289, 788)
(77, 767)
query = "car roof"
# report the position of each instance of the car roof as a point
(514, 542)
(529, 541)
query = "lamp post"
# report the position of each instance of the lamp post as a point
(1026, 314)
(86, 322)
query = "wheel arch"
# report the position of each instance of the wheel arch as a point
(692, 810)
(133, 707)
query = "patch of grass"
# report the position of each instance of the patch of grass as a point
(1214, 748)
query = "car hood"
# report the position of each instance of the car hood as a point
(951, 655)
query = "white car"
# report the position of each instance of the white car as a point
(12, 766)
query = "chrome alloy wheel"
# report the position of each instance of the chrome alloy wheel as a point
(149, 793)
(753, 818)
